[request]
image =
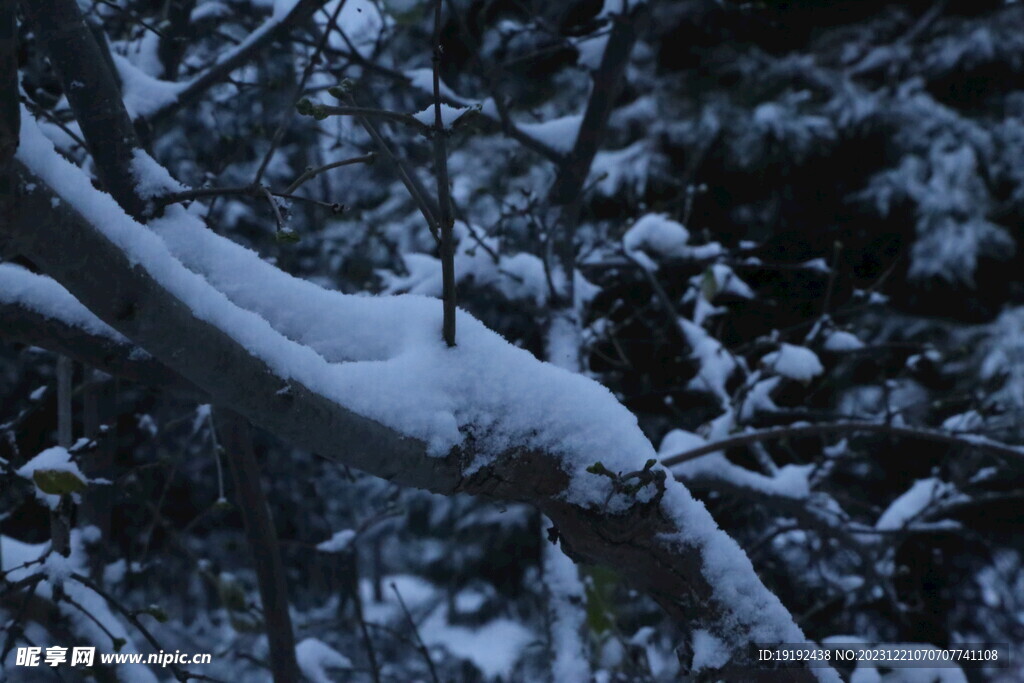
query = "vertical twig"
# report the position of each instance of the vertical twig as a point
(60, 518)
(421, 646)
(65, 369)
(447, 222)
(286, 117)
(371, 653)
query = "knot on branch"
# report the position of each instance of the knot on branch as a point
(632, 485)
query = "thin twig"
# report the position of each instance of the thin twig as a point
(372, 112)
(371, 653)
(286, 117)
(180, 674)
(448, 292)
(420, 645)
(311, 173)
(796, 431)
(411, 183)
(273, 207)
(133, 16)
(254, 191)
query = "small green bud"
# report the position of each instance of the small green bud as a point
(342, 89)
(156, 612)
(287, 236)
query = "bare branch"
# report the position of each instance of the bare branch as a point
(444, 202)
(804, 430)
(311, 173)
(267, 34)
(286, 116)
(323, 110)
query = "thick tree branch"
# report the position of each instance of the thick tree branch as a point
(23, 325)
(645, 542)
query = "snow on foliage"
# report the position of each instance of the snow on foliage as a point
(95, 623)
(794, 362)
(338, 543)
(316, 660)
(480, 261)
(559, 133)
(659, 236)
(839, 341)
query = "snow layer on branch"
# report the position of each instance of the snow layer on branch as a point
(791, 481)
(46, 297)
(142, 93)
(407, 379)
(383, 358)
(913, 502)
(316, 657)
(449, 115)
